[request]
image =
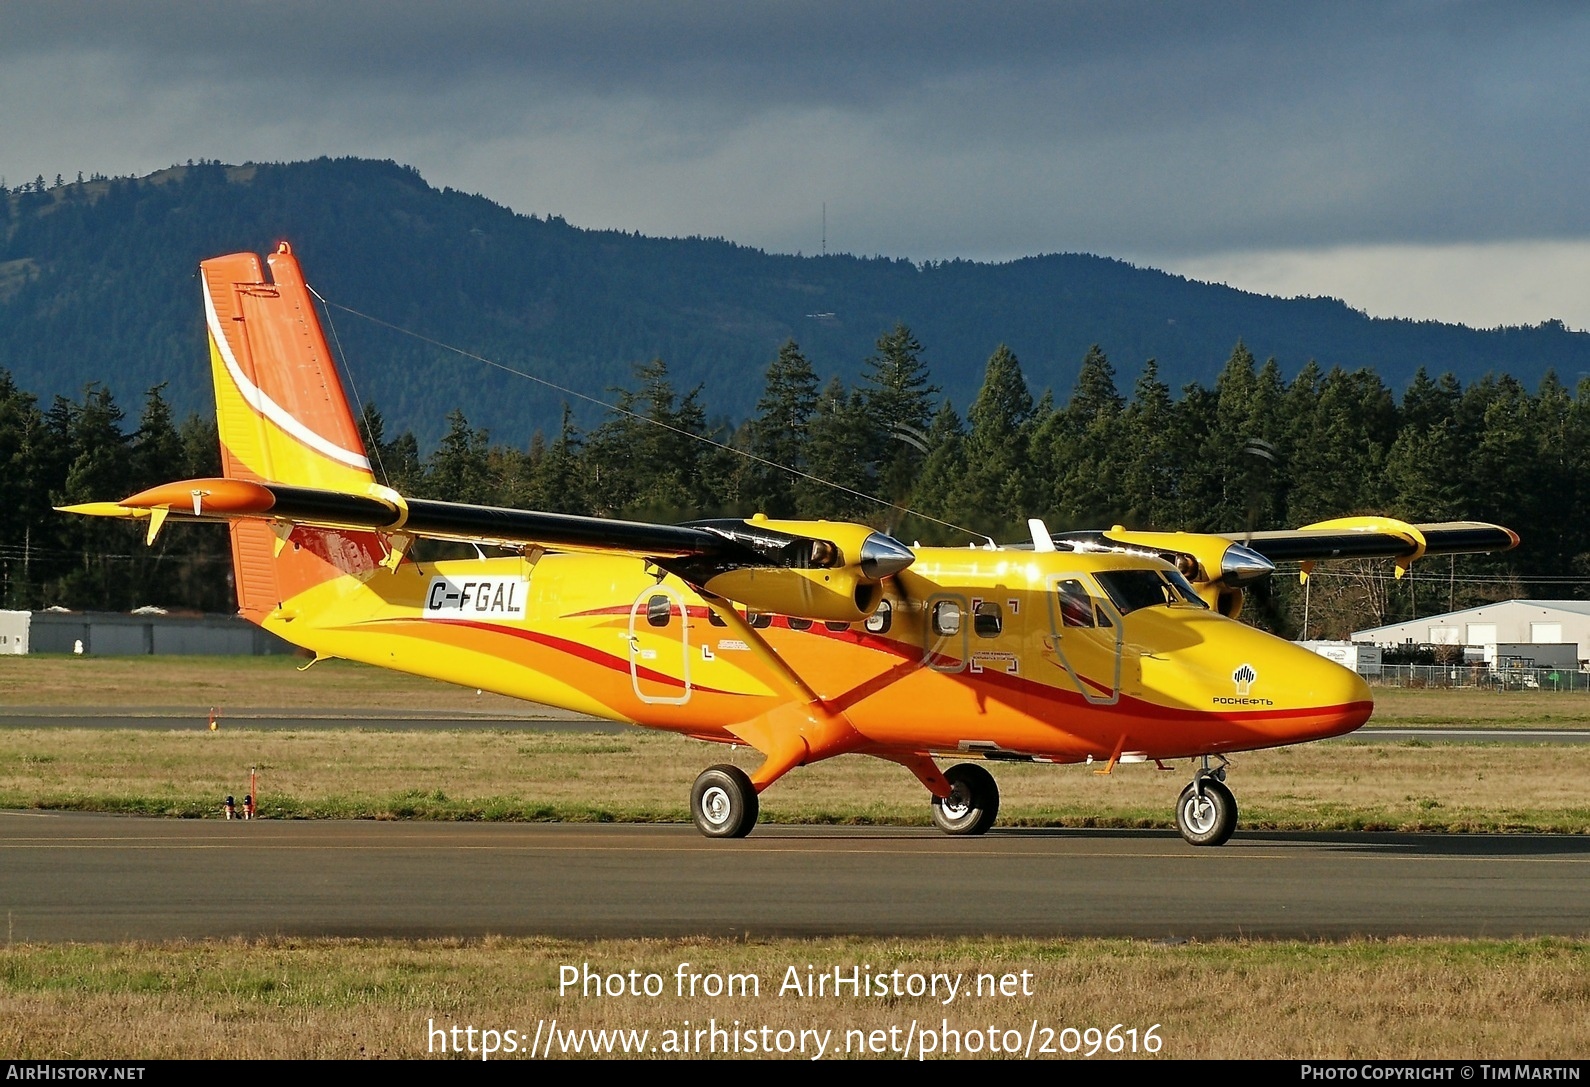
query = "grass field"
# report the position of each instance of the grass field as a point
(191, 686)
(356, 999)
(350, 998)
(644, 776)
(524, 774)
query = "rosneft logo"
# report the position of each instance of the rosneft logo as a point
(1244, 677)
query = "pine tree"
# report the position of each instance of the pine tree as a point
(839, 453)
(99, 465)
(898, 399)
(458, 470)
(940, 485)
(647, 461)
(1079, 443)
(1151, 468)
(780, 431)
(556, 484)
(24, 490)
(994, 494)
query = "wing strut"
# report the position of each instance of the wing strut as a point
(797, 732)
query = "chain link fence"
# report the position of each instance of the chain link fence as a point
(1481, 676)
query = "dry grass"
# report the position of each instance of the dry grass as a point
(351, 999)
(192, 685)
(646, 776)
(1473, 707)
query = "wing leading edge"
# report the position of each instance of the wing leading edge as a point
(1377, 537)
(829, 573)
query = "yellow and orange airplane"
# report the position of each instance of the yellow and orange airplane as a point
(802, 639)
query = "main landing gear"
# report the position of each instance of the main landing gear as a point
(973, 803)
(723, 802)
(1206, 812)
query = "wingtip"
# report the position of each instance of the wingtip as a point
(101, 509)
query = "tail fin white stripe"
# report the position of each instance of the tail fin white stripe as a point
(256, 398)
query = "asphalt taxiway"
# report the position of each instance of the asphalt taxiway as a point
(81, 877)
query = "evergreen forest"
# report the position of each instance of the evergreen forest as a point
(1252, 449)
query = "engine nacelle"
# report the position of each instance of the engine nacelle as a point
(821, 570)
(1217, 567)
(839, 595)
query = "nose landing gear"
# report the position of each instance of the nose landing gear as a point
(1206, 812)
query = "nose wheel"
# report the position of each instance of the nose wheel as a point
(1206, 812)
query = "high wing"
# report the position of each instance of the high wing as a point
(829, 576)
(1220, 564)
(226, 499)
(1377, 537)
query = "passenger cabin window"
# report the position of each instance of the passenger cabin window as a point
(715, 619)
(658, 609)
(878, 622)
(837, 628)
(947, 617)
(988, 620)
(759, 620)
(797, 623)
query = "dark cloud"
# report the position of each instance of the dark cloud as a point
(931, 128)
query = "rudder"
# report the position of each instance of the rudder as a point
(280, 408)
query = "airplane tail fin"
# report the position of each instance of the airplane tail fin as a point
(280, 407)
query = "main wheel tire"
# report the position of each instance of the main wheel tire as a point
(973, 803)
(723, 802)
(1207, 815)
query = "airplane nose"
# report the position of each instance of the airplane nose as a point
(1341, 695)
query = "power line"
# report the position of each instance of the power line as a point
(643, 418)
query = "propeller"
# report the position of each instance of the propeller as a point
(1243, 567)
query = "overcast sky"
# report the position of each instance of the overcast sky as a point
(1416, 159)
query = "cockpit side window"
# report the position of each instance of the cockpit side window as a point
(1189, 595)
(1130, 590)
(1076, 606)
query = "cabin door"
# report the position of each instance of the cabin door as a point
(1085, 637)
(659, 647)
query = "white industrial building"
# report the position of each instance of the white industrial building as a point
(1512, 629)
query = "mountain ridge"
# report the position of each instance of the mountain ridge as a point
(96, 286)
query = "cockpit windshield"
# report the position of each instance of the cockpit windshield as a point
(1130, 590)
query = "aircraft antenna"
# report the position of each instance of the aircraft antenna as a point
(642, 418)
(375, 446)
